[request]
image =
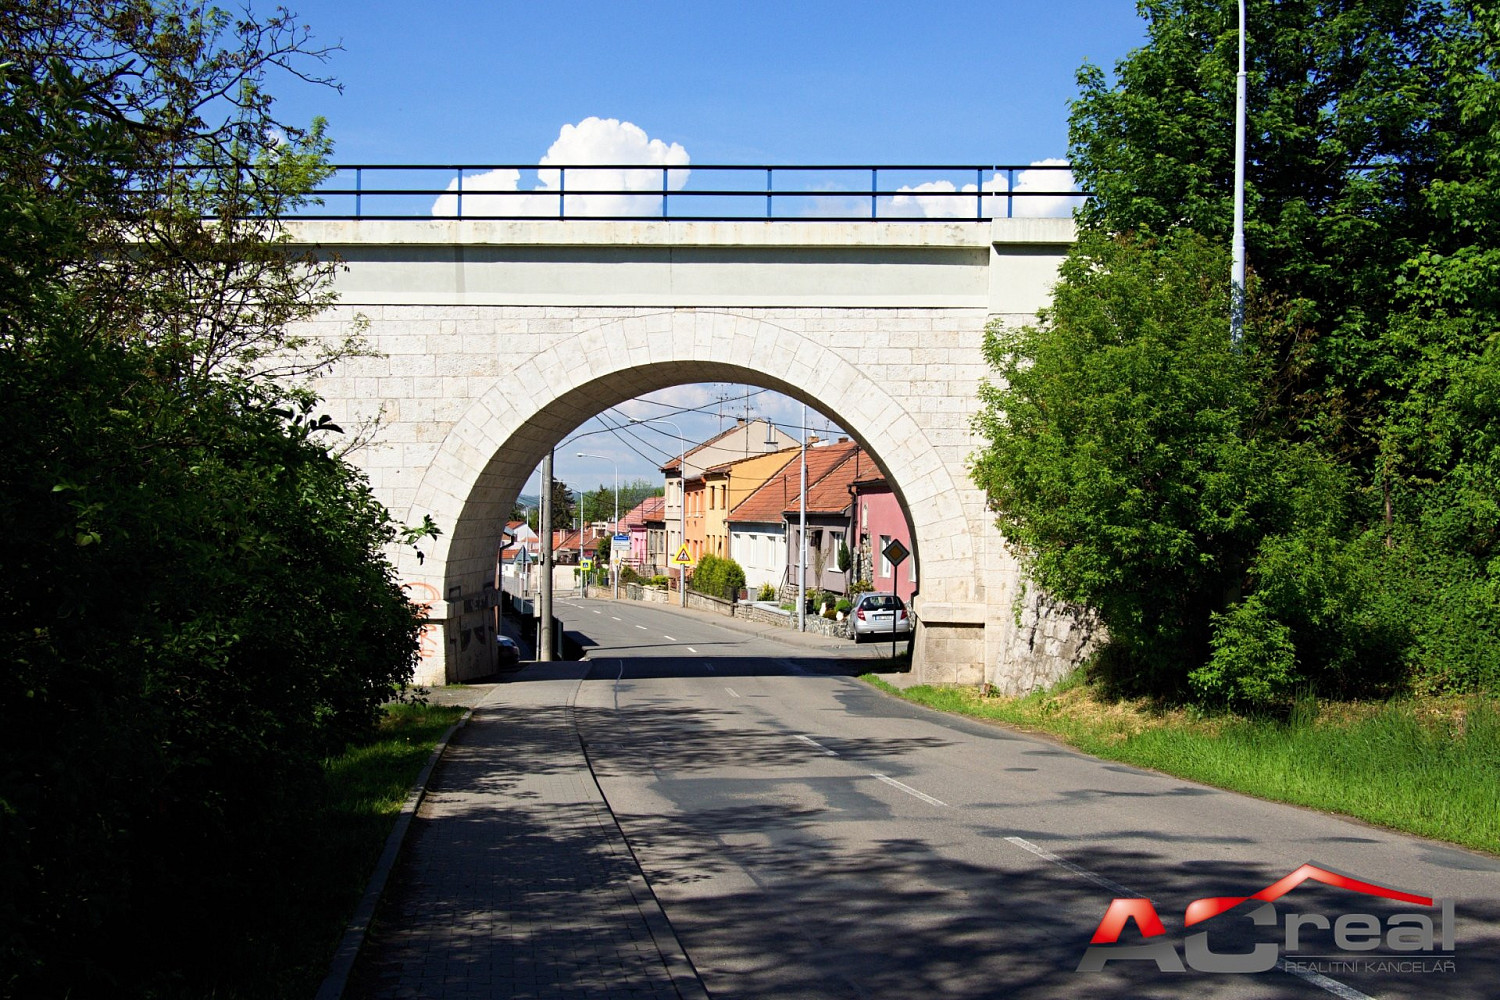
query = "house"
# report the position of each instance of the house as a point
(743, 440)
(566, 547)
(879, 519)
(518, 557)
(693, 492)
(657, 553)
(830, 509)
(730, 484)
(758, 533)
(637, 523)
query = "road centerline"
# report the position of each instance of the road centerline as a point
(814, 743)
(908, 789)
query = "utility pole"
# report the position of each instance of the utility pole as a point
(544, 650)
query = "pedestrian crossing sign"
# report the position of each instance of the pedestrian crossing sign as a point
(586, 564)
(683, 557)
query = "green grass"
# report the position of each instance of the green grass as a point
(291, 941)
(1429, 767)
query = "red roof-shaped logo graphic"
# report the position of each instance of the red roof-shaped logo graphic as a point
(1203, 909)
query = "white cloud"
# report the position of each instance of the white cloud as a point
(943, 200)
(1046, 206)
(605, 141)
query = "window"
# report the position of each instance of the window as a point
(885, 564)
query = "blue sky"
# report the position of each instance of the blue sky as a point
(762, 82)
(769, 82)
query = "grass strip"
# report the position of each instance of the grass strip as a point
(1425, 766)
(365, 788)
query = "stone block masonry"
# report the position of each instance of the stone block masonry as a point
(497, 339)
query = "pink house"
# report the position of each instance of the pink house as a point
(649, 509)
(878, 520)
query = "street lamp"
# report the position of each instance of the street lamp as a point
(682, 474)
(613, 559)
(1237, 267)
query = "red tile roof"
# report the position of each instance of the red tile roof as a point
(649, 509)
(830, 495)
(781, 493)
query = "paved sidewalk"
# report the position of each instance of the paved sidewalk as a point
(515, 881)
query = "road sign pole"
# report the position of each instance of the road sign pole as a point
(896, 553)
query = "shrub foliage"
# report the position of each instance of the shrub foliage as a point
(718, 577)
(194, 604)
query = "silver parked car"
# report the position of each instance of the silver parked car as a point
(874, 613)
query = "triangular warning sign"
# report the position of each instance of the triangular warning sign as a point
(683, 557)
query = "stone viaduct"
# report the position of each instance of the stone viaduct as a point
(496, 339)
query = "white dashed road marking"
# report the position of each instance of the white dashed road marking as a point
(908, 789)
(814, 743)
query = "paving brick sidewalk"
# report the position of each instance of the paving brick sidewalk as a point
(515, 881)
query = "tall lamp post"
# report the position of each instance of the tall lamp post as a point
(1237, 272)
(802, 532)
(615, 528)
(682, 474)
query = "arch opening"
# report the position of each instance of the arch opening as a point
(489, 454)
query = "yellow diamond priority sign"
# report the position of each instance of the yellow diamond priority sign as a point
(895, 552)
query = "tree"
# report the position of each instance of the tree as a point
(1349, 118)
(1125, 462)
(193, 601)
(1311, 510)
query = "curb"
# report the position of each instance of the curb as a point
(359, 924)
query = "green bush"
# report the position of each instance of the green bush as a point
(1253, 664)
(628, 574)
(767, 593)
(843, 607)
(718, 577)
(659, 580)
(195, 604)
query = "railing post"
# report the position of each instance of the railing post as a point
(978, 194)
(359, 175)
(874, 186)
(1010, 192)
(665, 187)
(460, 213)
(769, 213)
(562, 187)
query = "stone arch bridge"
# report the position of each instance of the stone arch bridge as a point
(498, 338)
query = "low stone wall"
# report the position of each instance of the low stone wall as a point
(636, 592)
(765, 614)
(829, 627)
(748, 610)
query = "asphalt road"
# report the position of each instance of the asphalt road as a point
(808, 836)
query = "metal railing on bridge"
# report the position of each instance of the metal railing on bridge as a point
(634, 192)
